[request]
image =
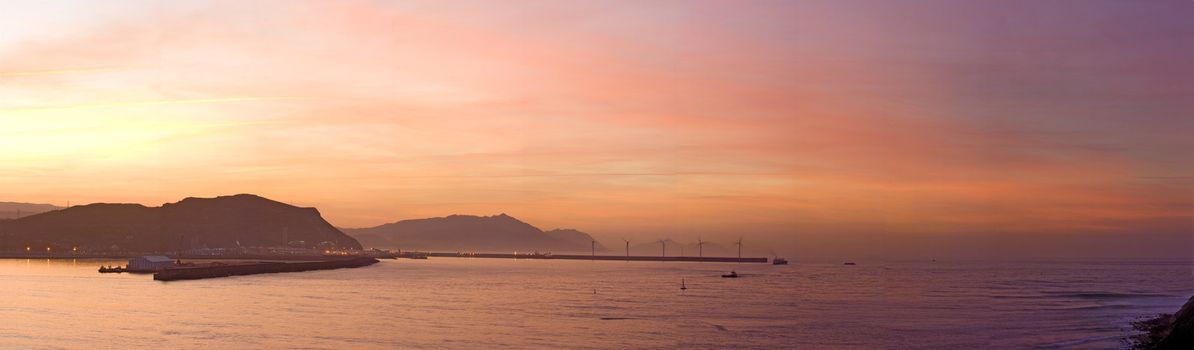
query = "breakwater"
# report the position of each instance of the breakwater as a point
(216, 270)
(597, 257)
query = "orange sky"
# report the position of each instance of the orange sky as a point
(636, 119)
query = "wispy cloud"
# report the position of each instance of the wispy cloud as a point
(31, 73)
(119, 104)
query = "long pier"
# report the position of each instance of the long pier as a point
(593, 257)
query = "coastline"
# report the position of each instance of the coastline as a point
(1166, 331)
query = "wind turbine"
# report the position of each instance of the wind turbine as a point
(627, 249)
(739, 243)
(700, 247)
(593, 245)
(664, 243)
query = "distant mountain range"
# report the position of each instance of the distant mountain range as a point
(251, 221)
(498, 233)
(12, 210)
(223, 222)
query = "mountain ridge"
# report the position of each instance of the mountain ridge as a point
(13, 210)
(457, 232)
(193, 222)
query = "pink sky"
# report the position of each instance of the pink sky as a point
(787, 121)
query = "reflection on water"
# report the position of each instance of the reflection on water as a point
(490, 303)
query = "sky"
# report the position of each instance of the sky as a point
(860, 128)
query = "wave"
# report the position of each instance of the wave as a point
(1094, 307)
(1078, 342)
(1102, 295)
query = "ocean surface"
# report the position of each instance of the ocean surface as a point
(451, 303)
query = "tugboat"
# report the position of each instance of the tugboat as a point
(732, 274)
(779, 261)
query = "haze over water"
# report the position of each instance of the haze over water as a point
(515, 304)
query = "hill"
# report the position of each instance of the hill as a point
(498, 233)
(13, 210)
(223, 222)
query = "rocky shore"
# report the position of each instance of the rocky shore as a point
(1168, 331)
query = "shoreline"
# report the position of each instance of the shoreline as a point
(1166, 331)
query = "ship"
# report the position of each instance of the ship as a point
(779, 261)
(111, 269)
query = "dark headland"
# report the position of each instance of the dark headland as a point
(1169, 331)
(194, 224)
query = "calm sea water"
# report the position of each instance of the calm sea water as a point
(516, 304)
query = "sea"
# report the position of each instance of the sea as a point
(461, 303)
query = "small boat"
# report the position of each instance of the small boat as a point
(111, 269)
(849, 263)
(732, 274)
(779, 261)
(682, 285)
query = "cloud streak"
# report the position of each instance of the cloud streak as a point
(33, 73)
(119, 104)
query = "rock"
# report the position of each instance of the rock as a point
(1165, 332)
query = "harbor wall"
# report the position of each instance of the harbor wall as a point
(599, 257)
(222, 270)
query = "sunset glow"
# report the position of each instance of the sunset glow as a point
(631, 119)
